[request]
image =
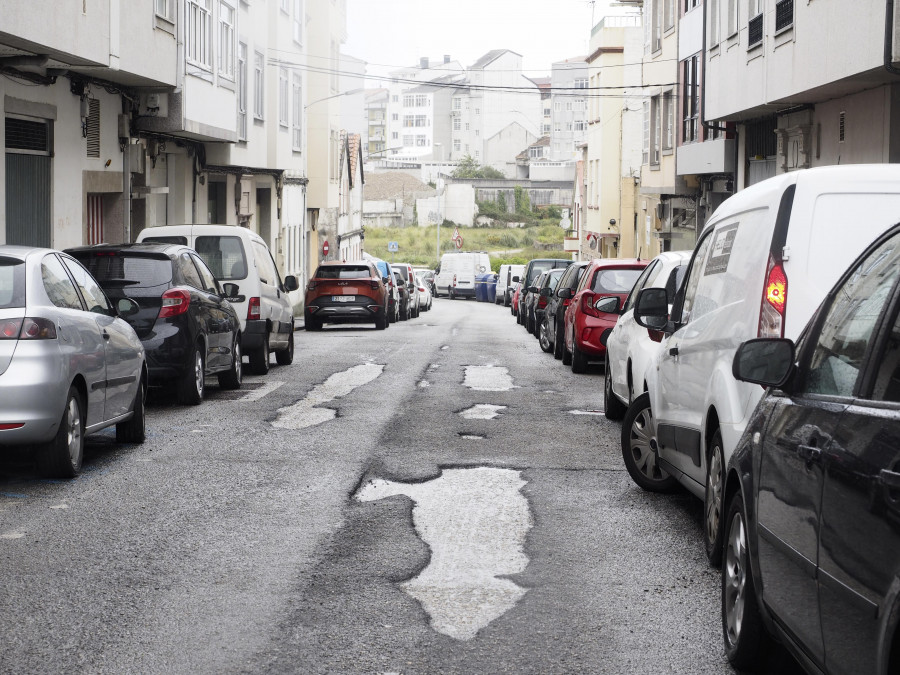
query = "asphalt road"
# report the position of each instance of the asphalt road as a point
(404, 532)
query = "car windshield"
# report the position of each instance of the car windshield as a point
(224, 256)
(12, 283)
(343, 272)
(615, 280)
(542, 266)
(552, 279)
(120, 270)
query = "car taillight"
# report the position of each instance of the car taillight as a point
(27, 329)
(587, 305)
(175, 301)
(13, 425)
(454, 280)
(374, 285)
(10, 328)
(311, 286)
(542, 302)
(253, 310)
(774, 301)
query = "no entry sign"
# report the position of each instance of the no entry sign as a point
(325, 247)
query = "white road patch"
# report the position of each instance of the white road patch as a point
(264, 390)
(482, 411)
(475, 521)
(12, 535)
(586, 412)
(472, 437)
(424, 383)
(445, 347)
(488, 378)
(60, 506)
(304, 413)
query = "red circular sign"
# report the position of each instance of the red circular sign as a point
(325, 247)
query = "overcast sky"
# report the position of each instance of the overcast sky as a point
(396, 33)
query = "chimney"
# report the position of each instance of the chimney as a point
(446, 58)
(423, 63)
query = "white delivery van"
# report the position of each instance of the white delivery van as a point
(761, 267)
(455, 275)
(505, 284)
(244, 265)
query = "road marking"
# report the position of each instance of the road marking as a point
(586, 412)
(471, 437)
(475, 521)
(488, 378)
(60, 506)
(482, 411)
(305, 412)
(12, 535)
(264, 390)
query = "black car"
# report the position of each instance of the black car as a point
(812, 532)
(532, 270)
(188, 329)
(542, 294)
(555, 312)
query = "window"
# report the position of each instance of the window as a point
(457, 104)
(690, 4)
(408, 140)
(395, 136)
(227, 16)
(242, 92)
(198, 32)
(408, 101)
(668, 120)
(569, 106)
(646, 134)
(395, 98)
(92, 128)
(456, 124)
(57, 284)
(259, 85)
(421, 101)
(298, 21)
(421, 121)
(395, 117)
(713, 18)
(209, 281)
(784, 14)
(580, 125)
(165, 9)
(188, 272)
(421, 141)
(456, 144)
(297, 106)
(283, 101)
(668, 14)
(93, 295)
(557, 106)
(656, 20)
(409, 120)
(755, 24)
(655, 127)
(286, 6)
(467, 126)
(546, 112)
(545, 129)
(690, 97)
(689, 299)
(732, 18)
(581, 83)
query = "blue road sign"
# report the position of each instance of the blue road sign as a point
(393, 247)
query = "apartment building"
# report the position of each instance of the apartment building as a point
(376, 108)
(568, 109)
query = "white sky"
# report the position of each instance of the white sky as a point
(395, 33)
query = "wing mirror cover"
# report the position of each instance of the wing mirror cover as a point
(765, 361)
(609, 305)
(291, 283)
(652, 309)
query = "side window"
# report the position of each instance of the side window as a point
(209, 281)
(850, 321)
(58, 285)
(267, 270)
(93, 295)
(188, 272)
(698, 265)
(643, 280)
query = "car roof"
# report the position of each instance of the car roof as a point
(167, 249)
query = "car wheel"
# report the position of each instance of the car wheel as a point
(613, 408)
(62, 456)
(234, 376)
(638, 448)
(566, 355)
(712, 504)
(284, 357)
(450, 294)
(135, 430)
(746, 640)
(380, 322)
(579, 359)
(543, 340)
(259, 358)
(312, 325)
(558, 344)
(404, 313)
(191, 384)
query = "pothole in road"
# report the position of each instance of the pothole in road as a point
(304, 413)
(475, 522)
(488, 378)
(482, 411)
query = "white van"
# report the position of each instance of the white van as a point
(762, 265)
(505, 283)
(241, 260)
(455, 275)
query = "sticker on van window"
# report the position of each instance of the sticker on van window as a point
(721, 250)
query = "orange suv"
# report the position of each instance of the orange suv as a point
(346, 292)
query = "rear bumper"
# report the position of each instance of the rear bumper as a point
(587, 337)
(463, 292)
(254, 334)
(32, 393)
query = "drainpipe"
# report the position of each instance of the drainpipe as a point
(889, 38)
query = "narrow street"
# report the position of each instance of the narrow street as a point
(441, 496)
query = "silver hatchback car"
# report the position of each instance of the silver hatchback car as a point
(69, 366)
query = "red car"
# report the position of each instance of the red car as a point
(346, 292)
(514, 303)
(584, 323)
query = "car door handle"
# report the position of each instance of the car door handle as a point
(809, 454)
(673, 351)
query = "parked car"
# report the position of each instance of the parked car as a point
(545, 287)
(424, 293)
(427, 276)
(240, 256)
(760, 268)
(409, 279)
(514, 301)
(505, 284)
(811, 546)
(69, 365)
(346, 292)
(527, 302)
(555, 313)
(387, 276)
(405, 299)
(584, 323)
(532, 270)
(455, 275)
(630, 348)
(188, 329)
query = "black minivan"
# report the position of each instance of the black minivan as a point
(188, 329)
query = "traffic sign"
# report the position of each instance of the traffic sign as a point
(459, 242)
(393, 246)
(325, 247)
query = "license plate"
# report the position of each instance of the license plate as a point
(343, 298)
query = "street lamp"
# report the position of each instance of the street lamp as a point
(349, 92)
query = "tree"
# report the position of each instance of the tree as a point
(522, 206)
(469, 168)
(501, 202)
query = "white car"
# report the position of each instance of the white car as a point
(424, 294)
(630, 348)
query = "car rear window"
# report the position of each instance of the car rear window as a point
(121, 270)
(12, 283)
(224, 256)
(615, 281)
(344, 272)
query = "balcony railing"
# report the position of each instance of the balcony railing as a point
(755, 31)
(784, 14)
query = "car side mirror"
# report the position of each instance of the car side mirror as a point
(291, 283)
(546, 292)
(609, 305)
(126, 307)
(231, 291)
(533, 289)
(564, 293)
(385, 281)
(765, 361)
(515, 279)
(652, 309)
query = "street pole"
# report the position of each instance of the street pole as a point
(439, 243)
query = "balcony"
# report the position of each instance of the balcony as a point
(755, 31)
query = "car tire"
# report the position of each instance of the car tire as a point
(380, 322)
(566, 355)
(135, 429)
(285, 357)
(259, 358)
(312, 325)
(234, 376)
(579, 359)
(192, 384)
(638, 451)
(743, 631)
(613, 408)
(404, 313)
(712, 503)
(62, 456)
(558, 344)
(543, 340)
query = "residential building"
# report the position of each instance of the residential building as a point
(350, 217)
(569, 109)
(375, 139)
